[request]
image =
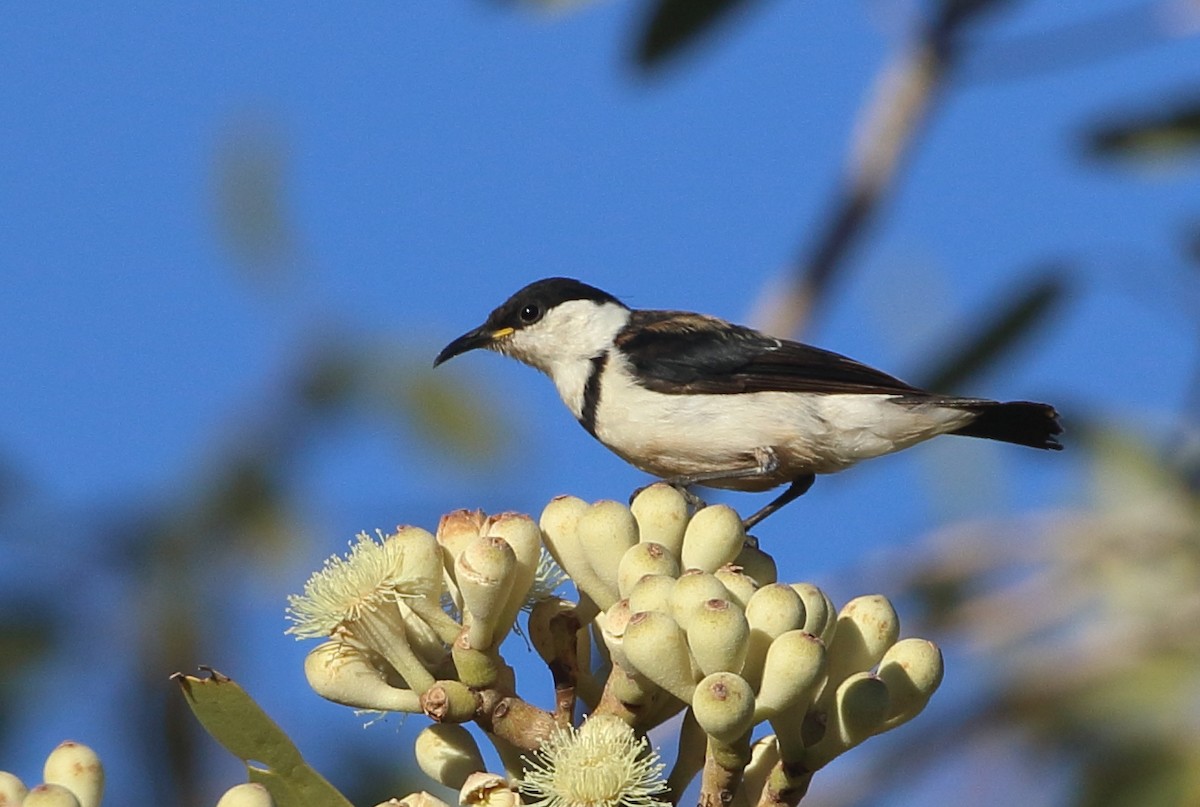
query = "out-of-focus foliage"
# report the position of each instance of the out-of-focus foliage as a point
(1170, 131)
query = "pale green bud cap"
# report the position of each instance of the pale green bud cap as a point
(718, 636)
(77, 768)
(606, 530)
(613, 623)
(457, 529)
(691, 591)
(488, 790)
(723, 704)
(662, 516)
(484, 571)
(448, 754)
(652, 593)
(642, 559)
(713, 538)
(525, 537)
(756, 564)
(866, 627)
(560, 523)
(820, 617)
(248, 794)
(49, 795)
(792, 671)
(343, 674)
(912, 670)
(657, 648)
(772, 610)
(12, 789)
(741, 587)
(859, 711)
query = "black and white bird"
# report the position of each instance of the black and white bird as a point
(694, 399)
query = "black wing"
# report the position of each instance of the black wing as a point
(677, 353)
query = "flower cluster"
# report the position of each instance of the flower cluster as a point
(72, 777)
(687, 614)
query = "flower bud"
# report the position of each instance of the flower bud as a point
(662, 516)
(560, 523)
(820, 616)
(723, 704)
(612, 625)
(484, 571)
(525, 538)
(657, 648)
(488, 790)
(642, 559)
(343, 674)
(50, 796)
(718, 635)
(606, 530)
(912, 670)
(740, 586)
(756, 564)
(866, 627)
(772, 611)
(764, 755)
(456, 530)
(448, 754)
(420, 799)
(77, 768)
(859, 710)
(12, 789)
(691, 591)
(792, 671)
(247, 794)
(713, 538)
(652, 593)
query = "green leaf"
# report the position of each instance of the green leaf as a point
(1015, 318)
(238, 723)
(674, 24)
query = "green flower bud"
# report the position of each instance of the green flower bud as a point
(691, 591)
(756, 564)
(820, 617)
(50, 796)
(741, 587)
(248, 794)
(866, 627)
(713, 538)
(456, 530)
(772, 610)
(652, 593)
(12, 789)
(662, 516)
(764, 755)
(77, 768)
(912, 670)
(792, 671)
(560, 523)
(448, 754)
(612, 625)
(420, 799)
(484, 571)
(657, 648)
(606, 530)
(860, 709)
(718, 636)
(525, 538)
(344, 674)
(642, 559)
(723, 704)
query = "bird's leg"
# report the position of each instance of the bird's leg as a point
(798, 488)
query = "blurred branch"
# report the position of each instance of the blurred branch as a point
(673, 25)
(903, 99)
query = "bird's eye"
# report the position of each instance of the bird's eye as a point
(531, 313)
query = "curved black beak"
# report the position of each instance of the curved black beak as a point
(479, 337)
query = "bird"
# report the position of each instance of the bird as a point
(696, 400)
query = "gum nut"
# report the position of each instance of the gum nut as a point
(12, 790)
(741, 587)
(77, 768)
(912, 670)
(756, 564)
(718, 636)
(606, 530)
(713, 538)
(723, 704)
(249, 794)
(866, 627)
(662, 516)
(691, 591)
(343, 674)
(657, 648)
(652, 593)
(485, 573)
(448, 754)
(642, 559)
(50, 796)
(559, 522)
(819, 614)
(457, 529)
(792, 671)
(862, 706)
(488, 790)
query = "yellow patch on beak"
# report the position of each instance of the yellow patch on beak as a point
(503, 332)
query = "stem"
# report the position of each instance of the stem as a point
(723, 767)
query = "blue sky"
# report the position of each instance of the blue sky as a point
(440, 155)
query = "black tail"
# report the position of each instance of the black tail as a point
(1021, 422)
